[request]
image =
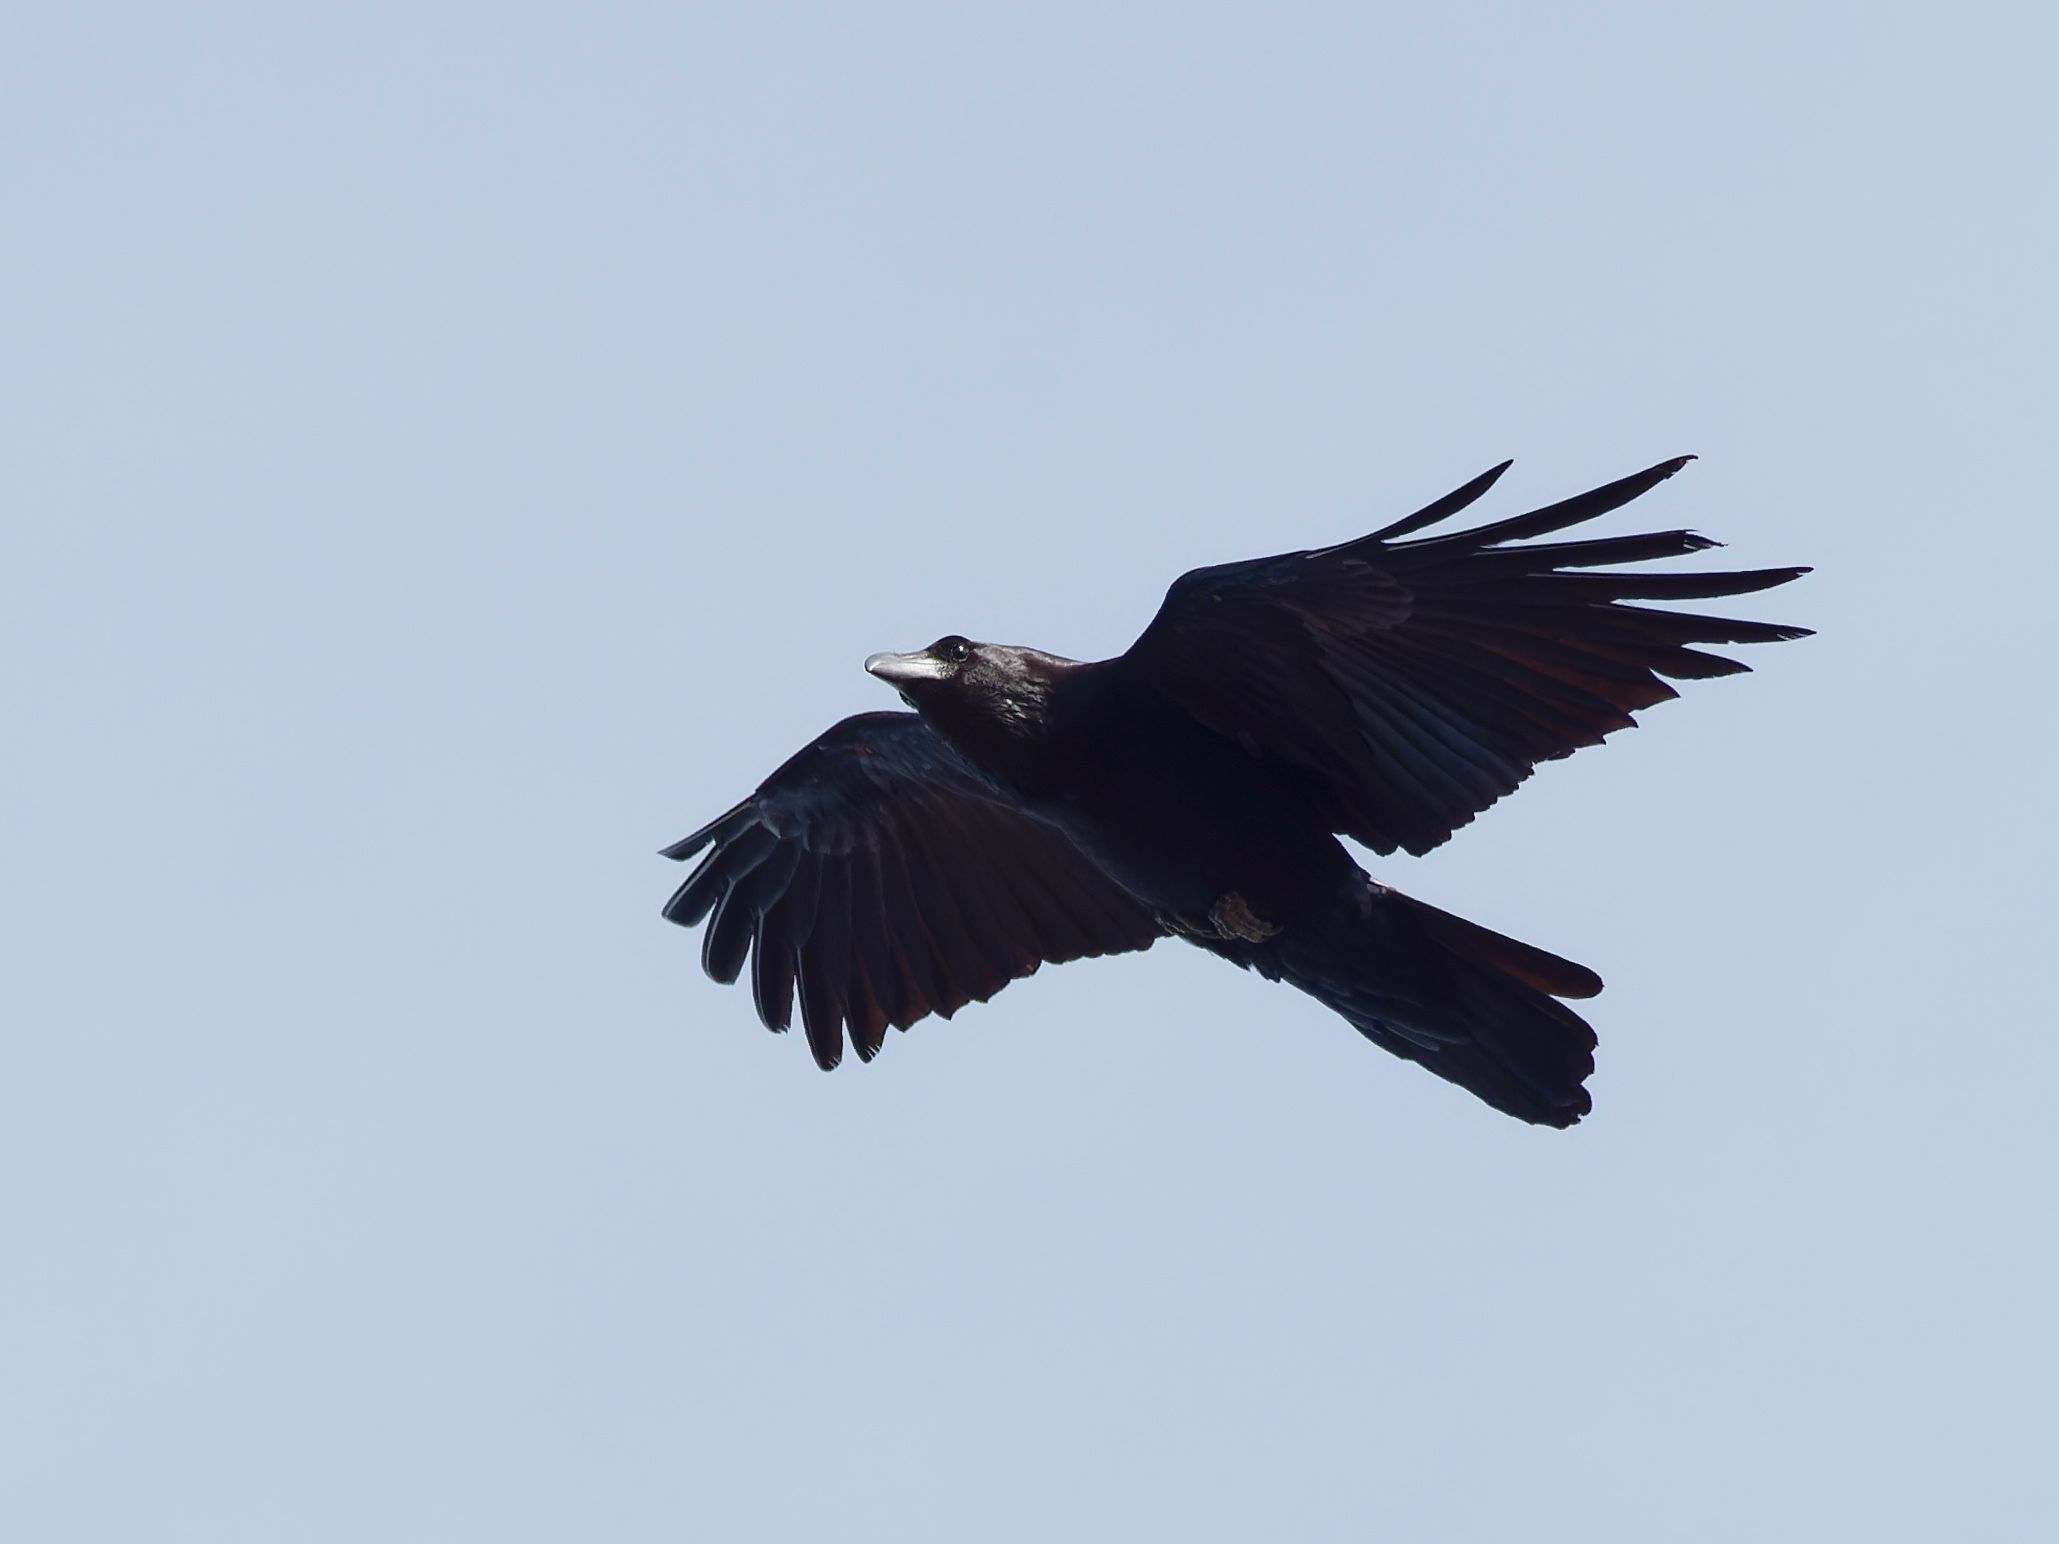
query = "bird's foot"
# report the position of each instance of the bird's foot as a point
(1367, 893)
(1234, 918)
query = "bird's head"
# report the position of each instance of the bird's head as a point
(968, 690)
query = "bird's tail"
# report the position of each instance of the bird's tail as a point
(1475, 1007)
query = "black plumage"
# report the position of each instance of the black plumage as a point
(1037, 809)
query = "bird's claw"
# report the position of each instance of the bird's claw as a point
(1234, 918)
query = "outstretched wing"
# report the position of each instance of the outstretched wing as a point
(887, 879)
(1409, 683)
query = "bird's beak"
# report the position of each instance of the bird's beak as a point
(905, 669)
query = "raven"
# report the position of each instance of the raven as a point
(1034, 808)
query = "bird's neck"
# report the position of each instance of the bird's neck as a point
(1016, 739)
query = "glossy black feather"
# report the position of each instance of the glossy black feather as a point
(1418, 681)
(1387, 688)
(883, 879)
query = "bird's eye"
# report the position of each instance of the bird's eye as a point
(955, 649)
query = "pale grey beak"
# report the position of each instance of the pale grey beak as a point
(901, 669)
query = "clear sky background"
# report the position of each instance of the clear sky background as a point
(451, 451)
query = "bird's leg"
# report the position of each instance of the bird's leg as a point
(1234, 918)
(1366, 893)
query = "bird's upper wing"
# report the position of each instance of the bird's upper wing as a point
(1409, 683)
(887, 879)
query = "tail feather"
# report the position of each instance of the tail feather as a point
(1539, 968)
(1475, 1007)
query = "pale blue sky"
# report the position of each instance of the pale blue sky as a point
(453, 450)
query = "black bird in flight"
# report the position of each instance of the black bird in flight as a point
(1034, 808)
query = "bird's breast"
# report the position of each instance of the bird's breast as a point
(1180, 823)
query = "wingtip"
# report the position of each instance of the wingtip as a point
(721, 828)
(1441, 509)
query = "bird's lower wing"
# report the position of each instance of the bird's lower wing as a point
(1409, 683)
(883, 877)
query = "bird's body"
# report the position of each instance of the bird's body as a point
(1176, 814)
(1035, 808)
